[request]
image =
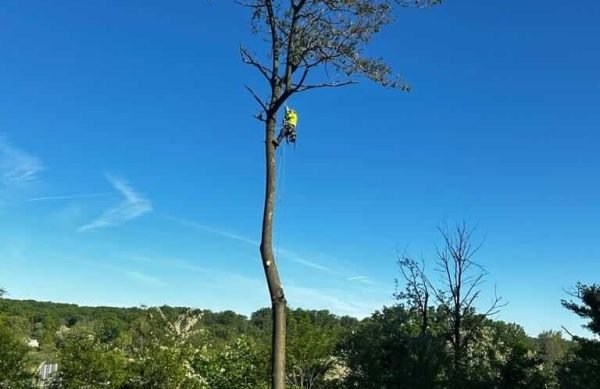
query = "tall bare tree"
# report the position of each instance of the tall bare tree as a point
(302, 37)
(461, 281)
(453, 295)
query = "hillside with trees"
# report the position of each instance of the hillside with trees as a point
(434, 337)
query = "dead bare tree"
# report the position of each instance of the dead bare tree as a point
(303, 36)
(462, 278)
(453, 296)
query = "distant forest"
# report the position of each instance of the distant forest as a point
(175, 347)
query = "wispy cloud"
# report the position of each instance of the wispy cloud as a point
(132, 274)
(16, 165)
(138, 276)
(357, 278)
(212, 277)
(285, 253)
(69, 197)
(338, 301)
(297, 258)
(361, 279)
(215, 231)
(169, 262)
(132, 206)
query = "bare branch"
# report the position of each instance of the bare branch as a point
(258, 100)
(418, 3)
(568, 332)
(249, 59)
(274, 43)
(325, 85)
(259, 117)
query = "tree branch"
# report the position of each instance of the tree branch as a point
(274, 43)
(249, 59)
(260, 102)
(324, 85)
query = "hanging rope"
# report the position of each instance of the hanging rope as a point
(280, 185)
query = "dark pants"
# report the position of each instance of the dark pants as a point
(288, 132)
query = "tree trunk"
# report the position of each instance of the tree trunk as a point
(458, 350)
(278, 302)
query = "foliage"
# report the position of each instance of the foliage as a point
(167, 347)
(502, 356)
(581, 369)
(388, 350)
(312, 340)
(179, 348)
(163, 352)
(86, 362)
(589, 306)
(304, 36)
(552, 349)
(13, 360)
(237, 366)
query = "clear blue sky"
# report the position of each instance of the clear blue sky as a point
(132, 170)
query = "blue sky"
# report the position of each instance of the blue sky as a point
(131, 167)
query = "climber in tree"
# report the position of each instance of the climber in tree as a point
(288, 131)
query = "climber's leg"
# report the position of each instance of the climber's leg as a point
(282, 134)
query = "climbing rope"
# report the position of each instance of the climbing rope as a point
(280, 189)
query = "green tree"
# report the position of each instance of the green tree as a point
(581, 368)
(588, 307)
(388, 350)
(236, 366)
(502, 356)
(552, 349)
(85, 362)
(14, 369)
(312, 340)
(163, 353)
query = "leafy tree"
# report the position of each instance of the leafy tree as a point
(502, 356)
(85, 362)
(19, 326)
(237, 366)
(163, 353)
(551, 346)
(108, 330)
(589, 306)
(225, 327)
(312, 339)
(582, 366)
(303, 37)
(552, 349)
(14, 369)
(389, 351)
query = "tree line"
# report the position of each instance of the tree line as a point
(435, 336)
